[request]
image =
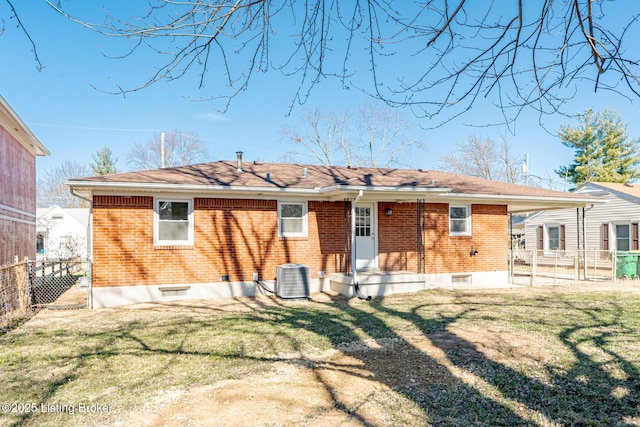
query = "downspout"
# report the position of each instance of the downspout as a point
(511, 248)
(354, 271)
(578, 247)
(89, 244)
(584, 238)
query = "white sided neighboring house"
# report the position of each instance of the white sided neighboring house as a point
(62, 233)
(604, 228)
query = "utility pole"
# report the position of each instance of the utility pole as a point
(525, 169)
(162, 149)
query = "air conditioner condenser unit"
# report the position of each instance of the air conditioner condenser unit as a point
(292, 281)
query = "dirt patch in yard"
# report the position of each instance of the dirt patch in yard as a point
(353, 386)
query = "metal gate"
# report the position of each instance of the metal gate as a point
(62, 285)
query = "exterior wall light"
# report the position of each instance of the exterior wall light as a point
(388, 212)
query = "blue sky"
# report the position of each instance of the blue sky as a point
(73, 120)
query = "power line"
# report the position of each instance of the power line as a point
(94, 128)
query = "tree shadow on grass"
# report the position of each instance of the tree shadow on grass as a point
(399, 365)
(374, 336)
(599, 388)
(159, 348)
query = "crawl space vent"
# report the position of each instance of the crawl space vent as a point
(461, 279)
(174, 292)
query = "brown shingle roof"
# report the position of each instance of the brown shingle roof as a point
(290, 176)
(630, 189)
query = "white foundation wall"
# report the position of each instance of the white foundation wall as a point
(379, 286)
(482, 279)
(395, 284)
(122, 295)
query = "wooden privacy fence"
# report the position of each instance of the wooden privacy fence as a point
(28, 286)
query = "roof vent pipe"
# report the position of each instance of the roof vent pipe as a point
(304, 172)
(239, 161)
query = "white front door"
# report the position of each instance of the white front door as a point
(365, 244)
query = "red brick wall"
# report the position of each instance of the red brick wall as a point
(398, 234)
(397, 237)
(239, 237)
(231, 237)
(17, 191)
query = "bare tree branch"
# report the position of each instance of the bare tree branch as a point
(374, 137)
(180, 148)
(39, 65)
(51, 190)
(438, 56)
(484, 158)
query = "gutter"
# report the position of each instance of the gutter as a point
(569, 198)
(445, 194)
(95, 185)
(389, 188)
(167, 187)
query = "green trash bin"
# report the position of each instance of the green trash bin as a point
(637, 255)
(626, 265)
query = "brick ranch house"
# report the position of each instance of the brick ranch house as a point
(18, 150)
(222, 229)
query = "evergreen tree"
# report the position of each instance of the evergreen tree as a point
(603, 152)
(103, 162)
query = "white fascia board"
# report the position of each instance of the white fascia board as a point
(382, 189)
(14, 125)
(180, 188)
(620, 194)
(392, 194)
(91, 187)
(558, 202)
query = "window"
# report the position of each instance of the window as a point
(363, 222)
(625, 236)
(459, 221)
(173, 222)
(622, 237)
(292, 219)
(553, 238)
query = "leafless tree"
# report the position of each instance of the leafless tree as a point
(373, 137)
(512, 163)
(324, 135)
(484, 158)
(70, 247)
(51, 190)
(180, 148)
(438, 56)
(384, 137)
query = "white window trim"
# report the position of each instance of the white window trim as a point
(547, 246)
(305, 211)
(156, 220)
(613, 231)
(468, 221)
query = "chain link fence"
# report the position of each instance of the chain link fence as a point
(29, 286)
(59, 284)
(14, 300)
(535, 267)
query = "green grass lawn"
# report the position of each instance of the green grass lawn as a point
(535, 356)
